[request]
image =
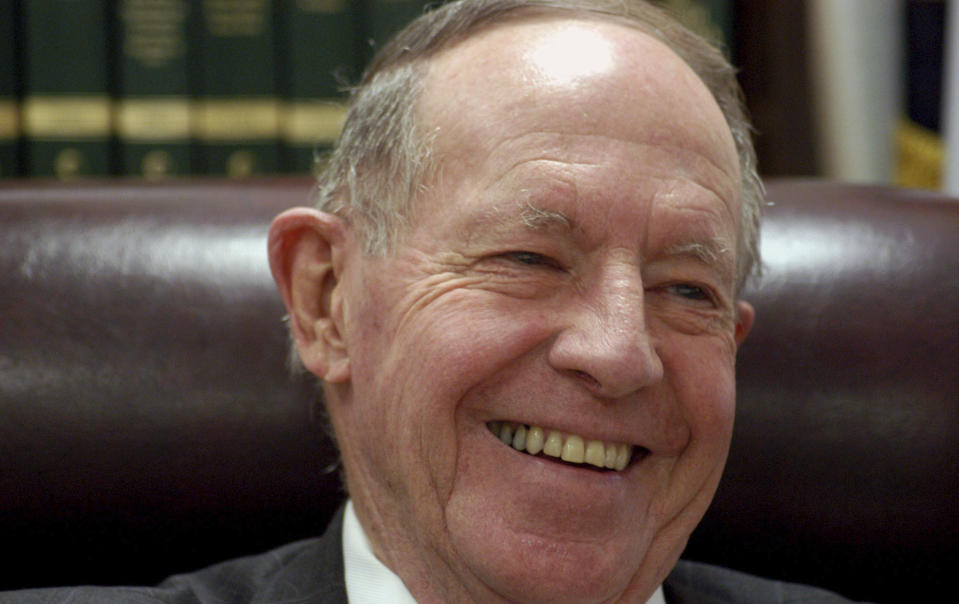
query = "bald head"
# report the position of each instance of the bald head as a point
(384, 141)
(531, 376)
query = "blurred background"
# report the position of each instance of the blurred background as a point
(856, 90)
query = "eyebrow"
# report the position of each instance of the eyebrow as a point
(715, 251)
(521, 213)
(538, 218)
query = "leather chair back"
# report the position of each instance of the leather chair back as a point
(148, 422)
(149, 425)
(844, 467)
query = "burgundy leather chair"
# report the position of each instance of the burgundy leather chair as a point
(149, 424)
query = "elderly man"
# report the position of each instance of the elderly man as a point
(520, 291)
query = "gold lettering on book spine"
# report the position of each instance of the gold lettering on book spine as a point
(311, 122)
(153, 30)
(154, 119)
(64, 117)
(238, 119)
(236, 17)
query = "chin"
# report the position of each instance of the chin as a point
(577, 585)
(533, 570)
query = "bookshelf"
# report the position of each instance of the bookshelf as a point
(166, 88)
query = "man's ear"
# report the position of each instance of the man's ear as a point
(307, 252)
(745, 314)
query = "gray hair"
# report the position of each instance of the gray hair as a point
(384, 156)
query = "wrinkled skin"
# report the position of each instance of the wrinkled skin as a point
(572, 265)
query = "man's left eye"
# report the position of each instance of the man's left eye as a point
(532, 259)
(690, 292)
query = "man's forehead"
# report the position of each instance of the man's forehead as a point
(555, 63)
(556, 181)
(515, 94)
(515, 213)
(565, 21)
(545, 51)
(698, 232)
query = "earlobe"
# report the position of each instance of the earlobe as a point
(745, 315)
(307, 252)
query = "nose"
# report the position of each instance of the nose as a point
(604, 341)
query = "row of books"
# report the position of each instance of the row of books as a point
(174, 87)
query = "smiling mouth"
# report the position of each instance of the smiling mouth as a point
(571, 448)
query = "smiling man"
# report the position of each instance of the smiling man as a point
(566, 285)
(520, 291)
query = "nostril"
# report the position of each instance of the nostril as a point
(590, 380)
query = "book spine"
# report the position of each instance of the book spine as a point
(386, 17)
(317, 39)
(9, 101)
(66, 112)
(238, 117)
(153, 107)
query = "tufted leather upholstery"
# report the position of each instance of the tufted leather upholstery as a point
(148, 424)
(147, 420)
(844, 468)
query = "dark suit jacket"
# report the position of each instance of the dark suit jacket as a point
(311, 572)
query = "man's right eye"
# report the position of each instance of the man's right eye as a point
(531, 259)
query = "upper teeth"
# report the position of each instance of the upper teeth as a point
(568, 447)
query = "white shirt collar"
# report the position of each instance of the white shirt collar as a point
(658, 597)
(369, 581)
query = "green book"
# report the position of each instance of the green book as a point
(9, 103)
(238, 116)
(386, 17)
(153, 106)
(318, 61)
(66, 111)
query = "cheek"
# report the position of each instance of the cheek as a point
(461, 341)
(703, 374)
(465, 338)
(702, 384)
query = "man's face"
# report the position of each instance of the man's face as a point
(570, 270)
